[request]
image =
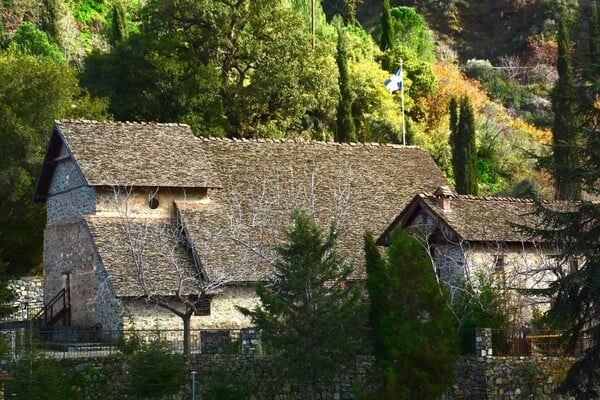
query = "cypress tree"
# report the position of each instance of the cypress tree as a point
(466, 128)
(462, 141)
(119, 31)
(387, 27)
(564, 136)
(349, 14)
(345, 127)
(413, 328)
(50, 21)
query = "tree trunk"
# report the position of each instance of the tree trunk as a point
(313, 390)
(187, 342)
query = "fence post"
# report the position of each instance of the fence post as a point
(483, 342)
(194, 373)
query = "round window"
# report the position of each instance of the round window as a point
(153, 203)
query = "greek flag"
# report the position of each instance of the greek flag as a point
(394, 82)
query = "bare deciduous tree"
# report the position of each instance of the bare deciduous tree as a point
(198, 248)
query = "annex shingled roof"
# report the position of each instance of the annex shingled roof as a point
(481, 219)
(138, 154)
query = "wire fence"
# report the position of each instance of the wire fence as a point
(86, 343)
(24, 311)
(508, 342)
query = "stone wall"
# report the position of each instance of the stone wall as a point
(69, 194)
(509, 378)
(30, 297)
(29, 289)
(486, 377)
(256, 375)
(223, 312)
(76, 266)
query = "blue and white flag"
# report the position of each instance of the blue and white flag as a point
(394, 82)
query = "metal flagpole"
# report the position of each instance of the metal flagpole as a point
(402, 92)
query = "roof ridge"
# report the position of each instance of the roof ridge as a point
(510, 199)
(83, 121)
(306, 141)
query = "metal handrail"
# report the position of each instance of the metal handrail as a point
(63, 295)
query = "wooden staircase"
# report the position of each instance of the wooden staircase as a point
(57, 309)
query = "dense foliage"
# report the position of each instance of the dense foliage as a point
(250, 69)
(309, 312)
(412, 326)
(33, 92)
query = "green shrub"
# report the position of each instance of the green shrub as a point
(153, 371)
(221, 383)
(37, 377)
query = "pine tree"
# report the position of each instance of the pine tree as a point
(576, 294)
(412, 326)
(564, 135)
(308, 311)
(345, 127)
(387, 27)
(464, 150)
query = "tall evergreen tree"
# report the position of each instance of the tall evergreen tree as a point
(308, 312)
(576, 293)
(594, 33)
(564, 130)
(453, 108)
(464, 150)
(412, 326)
(345, 127)
(50, 21)
(387, 27)
(119, 31)
(349, 12)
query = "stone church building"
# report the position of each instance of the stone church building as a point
(146, 220)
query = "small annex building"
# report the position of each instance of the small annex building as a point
(144, 219)
(474, 239)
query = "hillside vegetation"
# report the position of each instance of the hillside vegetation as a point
(254, 69)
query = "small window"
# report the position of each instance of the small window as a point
(203, 308)
(153, 203)
(573, 264)
(500, 263)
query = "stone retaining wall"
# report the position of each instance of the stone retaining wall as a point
(509, 378)
(29, 289)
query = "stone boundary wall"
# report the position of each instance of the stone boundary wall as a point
(257, 373)
(477, 378)
(509, 378)
(29, 289)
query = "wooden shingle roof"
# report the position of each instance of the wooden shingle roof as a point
(256, 184)
(144, 257)
(478, 218)
(359, 186)
(131, 154)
